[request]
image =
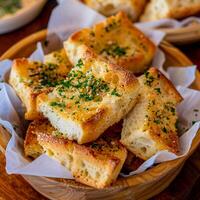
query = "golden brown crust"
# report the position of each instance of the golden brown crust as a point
(169, 142)
(96, 164)
(151, 125)
(170, 139)
(115, 40)
(132, 8)
(124, 76)
(27, 80)
(31, 146)
(167, 85)
(182, 12)
(110, 95)
(18, 71)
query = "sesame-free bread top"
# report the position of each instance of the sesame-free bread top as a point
(151, 125)
(132, 8)
(116, 40)
(177, 9)
(29, 79)
(96, 164)
(94, 96)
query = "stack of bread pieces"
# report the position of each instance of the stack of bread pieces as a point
(77, 93)
(147, 10)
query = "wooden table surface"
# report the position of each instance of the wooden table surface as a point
(14, 187)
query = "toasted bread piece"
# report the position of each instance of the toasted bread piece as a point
(177, 9)
(95, 164)
(132, 8)
(151, 125)
(31, 146)
(29, 79)
(94, 96)
(116, 40)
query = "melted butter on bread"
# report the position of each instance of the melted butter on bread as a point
(29, 79)
(151, 125)
(116, 40)
(96, 164)
(93, 97)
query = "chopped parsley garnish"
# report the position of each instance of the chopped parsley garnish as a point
(58, 134)
(149, 79)
(170, 107)
(58, 104)
(173, 110)
(114, 50)
(157, 90)
(115, 93)
(44, 75)
(157, 121)
(164, 130)
(84, 85)
(80, 63)
(119, 51)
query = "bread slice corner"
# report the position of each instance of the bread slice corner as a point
(96, 164)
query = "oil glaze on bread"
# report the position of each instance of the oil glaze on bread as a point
(29, 79)
(94, 96)
(116, 40)
(151, 125)
(96, 164)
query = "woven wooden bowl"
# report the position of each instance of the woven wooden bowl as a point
(142, 186)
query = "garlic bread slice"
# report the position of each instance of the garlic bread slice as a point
(116, 40)
(177, 9)
(96, 164)
(29, 79)
(132, 8)
(151, 125)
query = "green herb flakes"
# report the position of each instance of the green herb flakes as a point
(86, 86)
(80, 63)
(149, 79)
(157, 90)
(164, 130)
(114, 50)
(58, 104)
(115, 93)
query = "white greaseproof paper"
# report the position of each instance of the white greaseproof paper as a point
(66, 18)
